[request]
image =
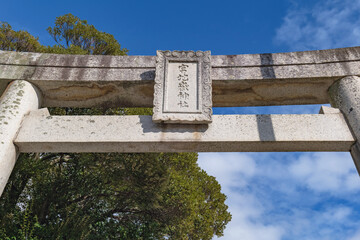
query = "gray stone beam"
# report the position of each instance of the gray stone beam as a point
(227, 133)
(345, 95)
(18, 100)
(127, 81)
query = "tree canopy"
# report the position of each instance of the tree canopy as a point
(21, 41)
(76, 36)
(111, 195)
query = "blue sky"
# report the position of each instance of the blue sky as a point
(272, 196)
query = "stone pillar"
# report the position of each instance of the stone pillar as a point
(19, 98)
(345, 95)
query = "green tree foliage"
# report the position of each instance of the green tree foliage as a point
(20, 41)
(107, 196)
(76, 36)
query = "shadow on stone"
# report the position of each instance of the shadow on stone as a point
(267, 68)
(265, 128)
(148, 75)
(149, 126)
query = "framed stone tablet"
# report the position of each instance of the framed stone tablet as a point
(182, 92)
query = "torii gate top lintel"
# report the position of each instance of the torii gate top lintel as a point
(127, 81)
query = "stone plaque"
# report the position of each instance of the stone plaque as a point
(182, 92)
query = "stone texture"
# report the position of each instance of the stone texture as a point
(189, 101)
(218, 61)
(345, 95)
(355, 154)
(182, 91)
(328, 110)
(128, 81)
(238, 80)
(227, 133)
(18, 100)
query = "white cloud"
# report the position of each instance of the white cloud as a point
(280, 196)
(356, 236)
(337, 214)
(247, 212)
(230, 169)
(327, 24)
(333, 172)
(233, 171)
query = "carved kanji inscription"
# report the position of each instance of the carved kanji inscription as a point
(182, 87)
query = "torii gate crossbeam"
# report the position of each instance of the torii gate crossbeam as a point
(46, 80)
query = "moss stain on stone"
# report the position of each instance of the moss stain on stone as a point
(20, 93)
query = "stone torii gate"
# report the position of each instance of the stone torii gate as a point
(187, 84)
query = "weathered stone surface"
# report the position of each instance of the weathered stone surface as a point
(238, 80)
(328, 110)
(182, 91)
(355, 154)
(227, 133)
(19, 98)
(243, 60)
(345, 95)
(172, 100)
